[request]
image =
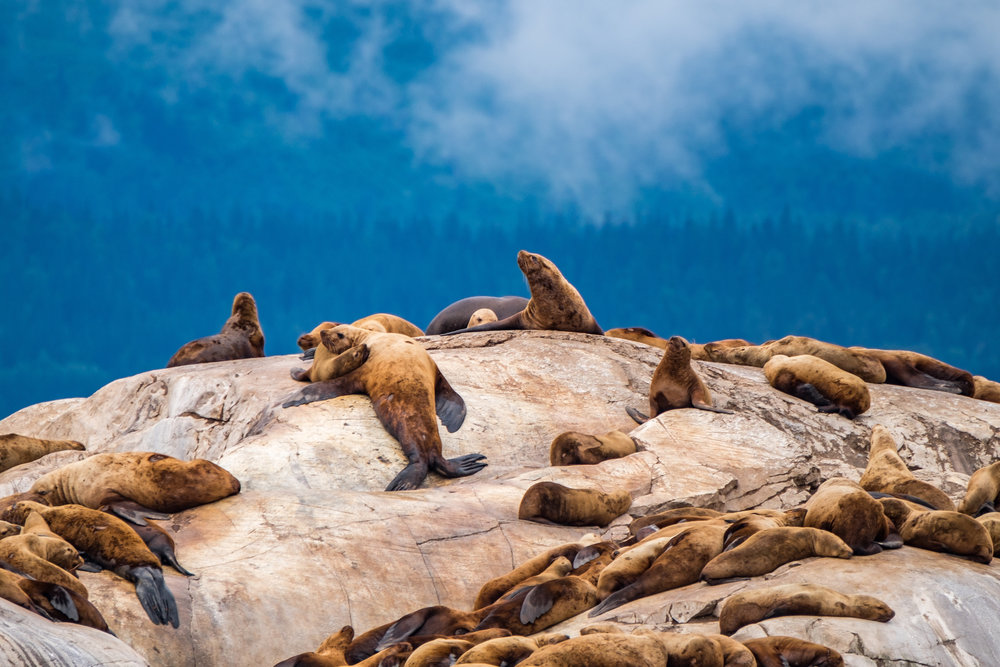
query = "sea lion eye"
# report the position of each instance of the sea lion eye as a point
(461, 631)
(42, 492)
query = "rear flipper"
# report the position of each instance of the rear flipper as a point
(460, 466)
(924, 381)
(133, 512)
(409, 478)
(808, 392)
(154, 595)
(837, 409)
(320, 391)
(891, 541)
(636, 415)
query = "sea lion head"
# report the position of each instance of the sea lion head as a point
(307, 341)
(19, 512)
(341, 337)
(184, 484)
(245, 307)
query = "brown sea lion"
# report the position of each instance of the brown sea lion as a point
(679, 564)
(329, 365)
(554, 305)
(991, 521)
(555, 503)
(501, 651)
(639, 335)
(135, 485)
(849, 512)
(112, 544)
(769, 549)
(755, 605)
(491, 591)
(481, 316)
(744, 524)
(887, 473)
(688, 650)
(241, 338)
(646, 649)
(42, 555)
(308, 341)
(7, 529)
(379, 322)
(743, 355)
(780, 651)
(457, 315)
(560, 567)
(853, 361)
(982, 492)
(986, 390)
(734, 653)
(438, 653)
(819, 382)
(63, 604)
(591, 560)
(573, 448)
(436, 620)
(940, 530)
(912, 369)
(675, 384)
(631, 563)
(704, 351)
(672, 516)
(406, 388)
(541, 606)
(17, 449)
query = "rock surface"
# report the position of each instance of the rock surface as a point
(313, 543)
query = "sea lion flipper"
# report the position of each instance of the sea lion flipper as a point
(320, 391)
(154, 596)
(460, 466)
(585, 555)
(134, 512)
(409, 477)
(88, 566)
(60, 599)
(808, 392)
(450, 407)
(538, 601)
(300, 374)
(636, 415)
(710, 408)
(308, 354)
(403, 628)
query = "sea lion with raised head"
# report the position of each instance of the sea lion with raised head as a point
(812, 379)
(675, 384)
(240, 338)
(982, 491)
(573, 448)
(555, 304)
(755, 605)
(43, 555)
(849, 512)
(17, 449)
(912, 369)
(778, 651)
(767, 550)
(887, 473)
(408, 393)
(939, 530)
(555, 503)
(458, 315)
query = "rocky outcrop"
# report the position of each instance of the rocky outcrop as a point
(313, 543)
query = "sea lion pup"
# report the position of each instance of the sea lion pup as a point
(982, 492)
(854, 361)
(755, 605)
(112, 544)
(491, 591)
(781, 651)
(846, 510)
(675, 384)
(457, 315)
(541, 606)
(940, 530)
(573, 448)
(135, 485)
(555, 503)
(887, 473)
(501, 651)
(240, 338)
(819, 382)
(912, 369)
(43, 556)
(679, 564)
(481, 316)
(560, 567)
(639, 335)
(406, 389)
(554, 305)
(17, 449)
(986, 390)
(769, 549)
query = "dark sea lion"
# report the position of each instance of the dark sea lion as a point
(554, 305)
(491, 591)
(573, 448)
(481, 316)
(17, 449)
(755, 605)
(160, 543)
(982, 492)
(986, 390)
(679, 564)
(135, 485)
(853, 361)
(112, 544)
(846, 510)
(887, 473)
(44, 556)
(555, 503)
(407, 389)
(940, 530)
(541, 606)
(769, 549)
(457, 315)
(241, 338)
(780, 651)
(639, 335)
(675, 384)
(912, 369)
(821, 383)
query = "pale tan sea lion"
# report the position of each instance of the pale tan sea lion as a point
(503, 650)
(821, 383)
(44, 556)
(704, 351)
(888, 473)
(560, 567)
(639, 335)
(573, 448)
(912, 369)
(755, 605)
(991, 521)
(849, 512)
(438, 653)
(986, 390)
(482, 316)
(746, 523)
(17, 449)
(982, 492)
(854, 361)
(457, 315)
(379, 323)
(240, 338)
(743, 355)
(769, 549)
(555, 503)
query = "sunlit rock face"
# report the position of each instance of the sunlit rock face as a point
(313, 543)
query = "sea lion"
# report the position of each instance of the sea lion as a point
(678, 564)
(986, 390)
(853, 361)
(541, 606)
(940, 530)
(675, 384)
(672, 516)
(435, 620)
(631, 563)
(755, 605)
(17, 449)
(481, 316)
(781, 651)
(704, 351)
(438, 653)
(308, 341)
(590, 561)
(912, 369)
(160, 543)
(982, 492)
(555, 503)
(743, 355)
(846, 510)
(573, 448)
(63, 604)
(560, 567)
(554, 305)
(769, 549)
(639, 335)
(991, 521)
(652, 649)
(457, 315)
(744, 524)
(379, 322)
(112, 544)
(240, 338)
(501, 651)
(406, 388)
(491, 591)
(329, 365)
(135, 485)
(42, 555)
(819, 382)
(887, 473)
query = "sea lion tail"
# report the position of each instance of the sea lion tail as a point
(636, 415)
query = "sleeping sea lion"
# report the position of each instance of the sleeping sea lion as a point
(17, 449)
(887, 473)
(641, 649)
(724, 352)
(541, 606)
(672, 516)
(912, 369)
(991, 520)
(778, 651)
(482, 316)
(744, 524)
(379, 322)
(438, 653)
(457, 315)
(821, 383)
(982, 492)
(573, 448)
(241, 338)
(939, 530)
(986, 390)
(639, 335)
(435, 620)
(43, 555)
(554, 305)
(503, 650)
(560, 567)
(769, 549)
(555, 503)
(755, 605)
(846, 510)
(406, 388)
(704, 351)
(854, 361)
(331, 653)
(491, 591)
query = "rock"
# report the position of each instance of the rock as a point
(313, 543)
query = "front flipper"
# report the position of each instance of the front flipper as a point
(320, 391)
(538, 601)
(308, 354)
(403, 628)
(300, 374)
(409, 478)
(154, 595)
(460, 466)
(448, 404)
(837, 409)
(133, 512)
(636, 415)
